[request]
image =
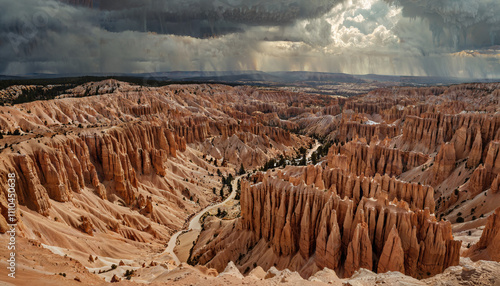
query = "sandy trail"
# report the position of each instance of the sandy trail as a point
(194, 223)
(313, 149)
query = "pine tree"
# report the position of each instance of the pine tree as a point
(303, 161)
(314, 158)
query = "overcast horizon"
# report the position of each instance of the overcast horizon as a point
(446, 38)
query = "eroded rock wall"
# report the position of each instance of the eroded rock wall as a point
(302, 223)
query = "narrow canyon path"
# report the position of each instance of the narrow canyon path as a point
(313, 149)
(194, 223)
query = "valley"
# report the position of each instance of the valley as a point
(189, 184)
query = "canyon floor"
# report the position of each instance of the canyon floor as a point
(208, 184)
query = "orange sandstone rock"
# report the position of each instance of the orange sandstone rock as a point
(488, 246)
(444, 163)
(392, 257)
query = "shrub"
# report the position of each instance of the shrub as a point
(128, 274)
(460, 219)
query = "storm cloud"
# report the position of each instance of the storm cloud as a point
(460, 24)
(206, 18)
(397, 37)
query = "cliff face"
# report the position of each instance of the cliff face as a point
(488, 246)
(376, 106)
(349, 130)
(31, 193)
(392, 257)
(59, 168)
(301, 223)
(346, 184)
(428, 132)
(359, 158)
(444, 163)
(475, 154)
(486, 175)
(198, 129)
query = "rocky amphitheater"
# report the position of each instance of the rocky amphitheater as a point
(209, 184)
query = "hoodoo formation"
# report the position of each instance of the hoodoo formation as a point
(208, 183)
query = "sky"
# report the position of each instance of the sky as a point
(451, 38)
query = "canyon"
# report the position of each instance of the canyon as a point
(396, 185)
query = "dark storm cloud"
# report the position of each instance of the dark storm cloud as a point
(459, 24)
(355, 36)
(85, 34)
(206, 18)
(44, 31)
